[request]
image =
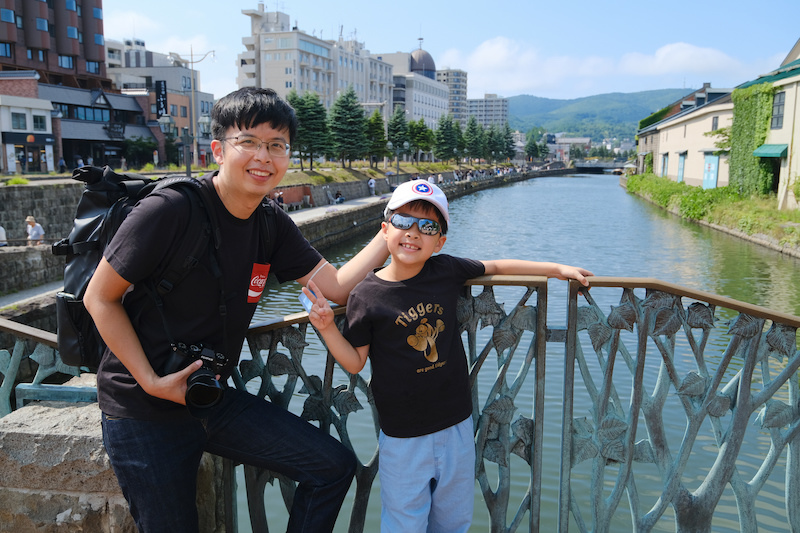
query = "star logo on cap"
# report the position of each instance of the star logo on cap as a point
(422, 188)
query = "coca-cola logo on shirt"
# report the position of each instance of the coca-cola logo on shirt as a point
(258, 282)
(258, 279)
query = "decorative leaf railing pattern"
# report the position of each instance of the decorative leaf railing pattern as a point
(676, 382)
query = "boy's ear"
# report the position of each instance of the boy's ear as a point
(440, 244)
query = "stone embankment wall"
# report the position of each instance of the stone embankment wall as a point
(56, 475)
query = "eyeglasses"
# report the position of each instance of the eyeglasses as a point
(248, 143)
(425, 225)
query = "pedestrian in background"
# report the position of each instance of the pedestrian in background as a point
(35, 231)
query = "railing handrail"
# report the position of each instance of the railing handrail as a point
(680, 290)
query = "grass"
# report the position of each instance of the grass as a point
(721, 206)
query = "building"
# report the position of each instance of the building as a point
(281, 57)
(456, 81)
(685, 151)
(649, 133)
(42, 123)
(139, 72)
(61, 40)
(783, 139)
(26, 122)
(415, 87)
(489, 110)
(93, 124)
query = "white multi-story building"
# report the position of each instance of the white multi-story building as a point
(456, 81)
(281, 57)
(489, 110)
(415, 87)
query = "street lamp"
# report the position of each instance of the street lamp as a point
(173, 57)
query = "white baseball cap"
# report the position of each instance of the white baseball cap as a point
(412, 190)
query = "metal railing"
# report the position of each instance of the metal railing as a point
(664, 407)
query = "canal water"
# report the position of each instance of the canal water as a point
(589, 221)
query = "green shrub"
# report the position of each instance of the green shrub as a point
(697, 203)
(17, 181)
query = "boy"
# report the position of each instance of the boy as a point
(403, 317)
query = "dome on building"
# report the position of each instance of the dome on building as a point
(422, 63)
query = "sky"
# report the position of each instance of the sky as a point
(559, 50)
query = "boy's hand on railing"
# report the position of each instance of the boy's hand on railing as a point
(577, 273)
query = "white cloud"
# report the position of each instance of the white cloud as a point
(508, 67)
(678, 58)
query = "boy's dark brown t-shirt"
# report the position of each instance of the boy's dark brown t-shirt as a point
(420, 377)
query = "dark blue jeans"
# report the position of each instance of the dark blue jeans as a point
(156, 462)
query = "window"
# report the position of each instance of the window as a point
(41, 24)
(39, 123)
(98, 13)
(66, 62)
(7, 15)
(183, 111)
(18, 121)
(98, 39)
(72, 5)
(714, 123)
(777, 110)
(93, 67)
(173, 110)
(5, 50)
(72, 32)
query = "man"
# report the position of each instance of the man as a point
(153, 439)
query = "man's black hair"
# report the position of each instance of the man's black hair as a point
(425, 206)
(249, 107)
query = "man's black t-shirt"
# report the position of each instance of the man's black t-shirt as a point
(420, 379)
(143, 243)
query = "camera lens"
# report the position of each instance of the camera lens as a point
(203, 389)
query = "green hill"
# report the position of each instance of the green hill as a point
(600, 116)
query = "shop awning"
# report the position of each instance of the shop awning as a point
(771, 150)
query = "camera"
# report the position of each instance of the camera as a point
(202, 388)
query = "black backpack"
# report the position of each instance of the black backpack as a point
(106, 201)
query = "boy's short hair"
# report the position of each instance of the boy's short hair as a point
(420, 204)
(249, 107)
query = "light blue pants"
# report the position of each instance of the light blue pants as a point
(427, 483)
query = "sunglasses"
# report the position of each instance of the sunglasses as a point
(426, 226)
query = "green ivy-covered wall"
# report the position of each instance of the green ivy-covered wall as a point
(752, 111)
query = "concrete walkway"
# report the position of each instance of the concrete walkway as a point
(299, 216)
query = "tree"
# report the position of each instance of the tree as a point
(348, 128)
(446, 139)
(138, 151)
(509, 148)
(397, 130)
(531, 148)
(576, 152)
(422, 138)
(316, 135)
(473, 138)
(376, 137)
